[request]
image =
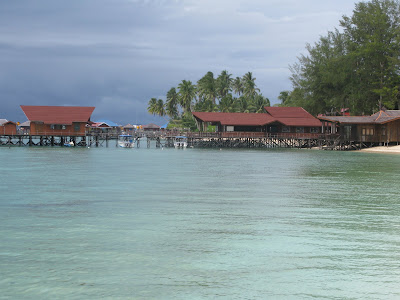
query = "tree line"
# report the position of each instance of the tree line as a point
(221, 94)
(357, 67)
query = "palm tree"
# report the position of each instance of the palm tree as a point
(152, 106)
(171, 106)
(206, 87)
(160, 110)
(259, 102)
(227, 104)
(237, 86)
(224, 84)
(187, 92)
(284, 96)
(249, 85)
(243, 104)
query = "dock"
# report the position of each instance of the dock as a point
(194, 140)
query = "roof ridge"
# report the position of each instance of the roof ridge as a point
(380, 114)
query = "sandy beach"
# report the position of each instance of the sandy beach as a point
(383, 149)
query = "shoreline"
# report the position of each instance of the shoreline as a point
(382, 149)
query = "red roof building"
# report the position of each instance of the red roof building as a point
(58, 120)
(282, 120)
(381, 127)
(7, 127)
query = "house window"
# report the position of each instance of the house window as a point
(285, 129)
(314, 129)
(63, 127)
(367, 131)
(299, 129)
(77, 127)
(56, 127)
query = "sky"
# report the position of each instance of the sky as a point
(118, 54)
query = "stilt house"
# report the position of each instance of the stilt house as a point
(282, 121)
(381, 127)
(7, 127)
(58, 120)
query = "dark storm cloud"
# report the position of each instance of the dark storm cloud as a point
(116, 55)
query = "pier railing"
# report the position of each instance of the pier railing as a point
(243, 134)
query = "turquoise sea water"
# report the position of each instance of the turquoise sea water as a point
(108, 223)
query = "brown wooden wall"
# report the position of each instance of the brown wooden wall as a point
(8, 129)
(45, 129)
(374, 133)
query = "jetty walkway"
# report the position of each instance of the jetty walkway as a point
(194, 139)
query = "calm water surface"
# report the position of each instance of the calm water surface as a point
(113, 223)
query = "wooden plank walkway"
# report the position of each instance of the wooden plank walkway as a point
(195, 140)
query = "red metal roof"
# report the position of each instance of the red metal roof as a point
(288, 116)
(293, 116)
(303, 122)
(63, 115)
(238, 119)
(288, 112)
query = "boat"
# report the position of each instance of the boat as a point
(180, 142)
(126, 141)
(70, 144)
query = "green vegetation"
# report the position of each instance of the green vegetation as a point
(357, 67)
(223, 94)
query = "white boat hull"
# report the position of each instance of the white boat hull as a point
(180, 145)
(125, 144)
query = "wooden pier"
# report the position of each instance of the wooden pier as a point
(194, 140)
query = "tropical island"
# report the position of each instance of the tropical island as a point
(354, 69)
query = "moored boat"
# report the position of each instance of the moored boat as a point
(126, 141)
(180, 142)
(70, 144)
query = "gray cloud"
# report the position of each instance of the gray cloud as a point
(116, 55)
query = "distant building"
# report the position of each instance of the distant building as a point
(151, 127)
(381, 127)
(275, 120)
(7, 127)
(129, 128)
(25, 127)
(58, 120)
(105, 127)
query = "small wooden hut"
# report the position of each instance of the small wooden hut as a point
(7, 127)
(151, 127)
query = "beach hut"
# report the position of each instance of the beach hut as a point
(381, 127)
(7, 127)
(58, 120)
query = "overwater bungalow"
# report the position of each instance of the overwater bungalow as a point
(151, 127)
(105, 127)
(382, 127)
(7, 127)
(25, 127)
(58, 120)
(129, 128)
(282, 121)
